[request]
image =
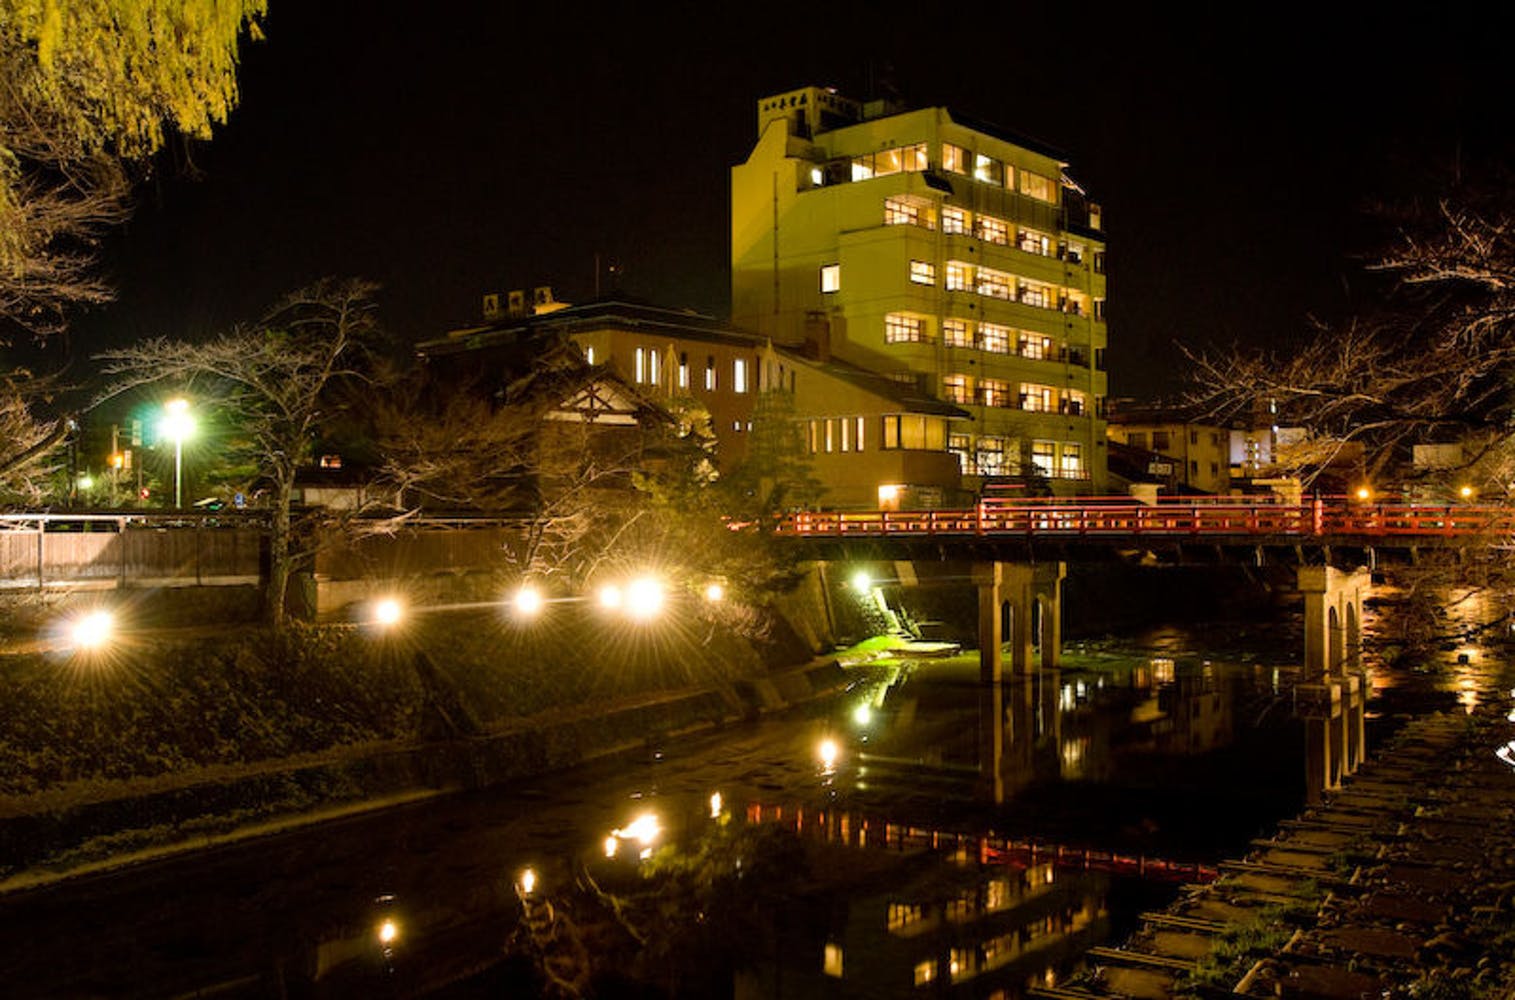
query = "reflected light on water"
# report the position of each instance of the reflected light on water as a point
(389, 933)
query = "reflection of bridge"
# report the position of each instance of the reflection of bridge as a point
(1015, 553)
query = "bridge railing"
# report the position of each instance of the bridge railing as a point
(1218, 516)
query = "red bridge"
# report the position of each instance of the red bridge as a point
(1320, 521)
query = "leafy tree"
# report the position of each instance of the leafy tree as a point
(775, 475)
(89, 91)
(277, 382)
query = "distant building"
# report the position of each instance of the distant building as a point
(1168, 447)
(936, 250)
(872, 441)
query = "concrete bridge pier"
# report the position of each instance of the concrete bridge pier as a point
(1019, 605)
(1332, 697)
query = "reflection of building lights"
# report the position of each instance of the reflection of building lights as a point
(528, 881)
(92, 630)
(1506, 753)
(388, 612)
(716, 805)
(863, 714)
(612, 844)
(389, 933)
(645, 829)
(828, 752)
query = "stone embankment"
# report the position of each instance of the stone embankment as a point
(1401, 884)
(46, 837)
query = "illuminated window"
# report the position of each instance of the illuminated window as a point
(1073, 402)
(902, 915)
(710, 374)
(989, 170)
(646, 366)
(1073, 253)
(991, 456)
(923, 272)
(903, 328)
(954, 220)
(739, 375)
(1099, 310)
(957, 444)
(909, 430)
(1035, 294)
(994, 338)
(955, 388)
(830, 435)
(1076, 303)
(997, 896)
(817, 177)
(962, 909)
(959, 276)
(956, 333)
(994, 284)
(1072, 460)
(589, 355)
(1037, 186)
(993, 392)
(683, 369)
(1034, 346)
(906, 210)
(925, 972)
(1044, 457)
(962, 963)
(844, 433)
(831, 277)
(1032, 241)
(992, 230)
(814, 436)
(889, 161)
(862, 168)
(831, 962)
(1037, 398)
(954, 158)
(914, 157)
(857, 433)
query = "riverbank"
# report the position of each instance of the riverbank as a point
(1401, 884)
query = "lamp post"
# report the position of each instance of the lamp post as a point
(177, 424)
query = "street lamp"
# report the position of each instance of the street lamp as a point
(177, 424)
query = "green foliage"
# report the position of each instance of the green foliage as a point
(775, 476)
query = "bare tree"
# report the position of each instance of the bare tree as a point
(29, 439)
(1435, 364)
(276, 381)
(535, 451)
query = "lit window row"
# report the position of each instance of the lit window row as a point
(835, 434)
(647, 369)
(990, 170)
(900, 159)
(1030, 396)
(994, 284)
(961, 222)
(991, 455)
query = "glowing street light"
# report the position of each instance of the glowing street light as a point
(715, 592)
(1364, 494)
(1466, 492)
(861, 581)
(610, 597)
(388, 612)
(644, 598)
(176, 425)
(528, 601)
(93, 630)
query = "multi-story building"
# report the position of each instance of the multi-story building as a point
(1176, 449)
(869, 441)
(939, 252)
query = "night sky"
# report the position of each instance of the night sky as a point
(446, 151)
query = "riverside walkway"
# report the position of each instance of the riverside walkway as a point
(1403, 877)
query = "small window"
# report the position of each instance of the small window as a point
(959, 276)
(589, 355)
(989, 170)
(1161, 441)
(954, 158)
(994, 338)
(831, 277)
(739, 375)
(1137, 439)
(992, 230)
(956, 333)
(903, 328)
(857, 431)
(683, 369)
(845, 429)
(831, 962)
(1037, 186)
(710, 374)
(954, 220)
(923, 272)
